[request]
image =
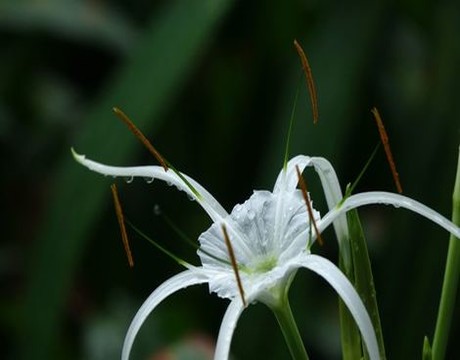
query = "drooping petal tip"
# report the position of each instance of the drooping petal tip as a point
(78, 158)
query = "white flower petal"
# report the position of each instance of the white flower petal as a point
(326, 172)
(288, 180)
(206, 200)
(386, 198)
(255, 220)
(170, 286)
(349, 296)
(332, 192)
(227, 329)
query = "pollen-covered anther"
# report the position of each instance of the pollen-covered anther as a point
(121, 222)
(303, 188)
(310, 83)
(386, 145)
(135, 130)
(231, 254)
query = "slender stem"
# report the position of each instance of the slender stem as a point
(451, 277)
(290, 331)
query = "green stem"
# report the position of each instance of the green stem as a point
(451, 276)
(290, 331)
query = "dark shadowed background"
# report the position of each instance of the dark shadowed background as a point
(212, 84)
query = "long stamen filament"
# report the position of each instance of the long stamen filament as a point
(349, 190)
(158, 246)
(186, 239)
(291, 123)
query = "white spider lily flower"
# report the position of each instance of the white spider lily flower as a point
(271, 238)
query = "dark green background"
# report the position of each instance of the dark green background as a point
(211, 83)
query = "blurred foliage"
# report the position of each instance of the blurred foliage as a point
(211, 83)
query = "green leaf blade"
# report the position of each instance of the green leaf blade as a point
(360, 274)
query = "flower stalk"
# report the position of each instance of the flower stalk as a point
(289, 328)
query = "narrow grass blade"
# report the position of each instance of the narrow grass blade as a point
(427, 353)
(450, 283)
(349, 333)
(360, 274)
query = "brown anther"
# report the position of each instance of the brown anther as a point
(234, 264)
(386, 145)
(141, 137)
(310, 83)
(303, 188)
(121, 222)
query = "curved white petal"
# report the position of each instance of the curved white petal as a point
(206, 200)
(349, 296)
(332, 192)
(170, 286)
(287, 181)
(227, 329)
(386, 198)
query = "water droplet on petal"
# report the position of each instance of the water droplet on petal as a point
(149, 180)
(129, 180)
(157, 209)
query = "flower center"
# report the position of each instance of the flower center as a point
(262, 265)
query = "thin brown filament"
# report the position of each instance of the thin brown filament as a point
(135, 130)
(121, 222)
(234, 264)
(303, 188)
(386, 145)
(310, 83)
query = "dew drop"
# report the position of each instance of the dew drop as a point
(157, 209)
(149, 180)
(129, 180)
(191, 197)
